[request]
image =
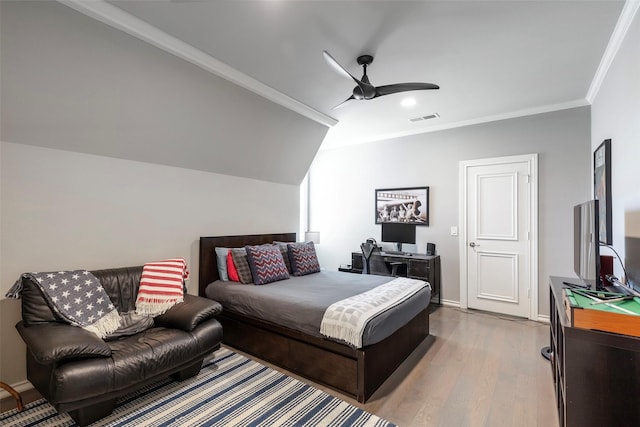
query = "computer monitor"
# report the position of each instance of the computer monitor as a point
(398, 233)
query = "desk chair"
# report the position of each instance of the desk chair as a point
(373, 262)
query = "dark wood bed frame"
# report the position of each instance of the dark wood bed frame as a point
(355, 372)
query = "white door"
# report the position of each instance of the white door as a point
(499, 235)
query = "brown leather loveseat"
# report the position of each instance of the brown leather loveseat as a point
(79, 373)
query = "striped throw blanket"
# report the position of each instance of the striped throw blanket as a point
(346, 320)
(161, 286)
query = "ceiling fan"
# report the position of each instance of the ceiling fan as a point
(364, 88)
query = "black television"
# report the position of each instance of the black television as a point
(399, 233)
(586, 244)
(632, 248)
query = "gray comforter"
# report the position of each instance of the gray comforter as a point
(300, 302)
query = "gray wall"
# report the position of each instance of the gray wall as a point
(65, 210)
(114, 153)
(343, 183)
(615, 115)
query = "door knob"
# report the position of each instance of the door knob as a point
(473, 244)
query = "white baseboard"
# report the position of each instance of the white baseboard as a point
(449, 303)
(544, 318)
(20, 387)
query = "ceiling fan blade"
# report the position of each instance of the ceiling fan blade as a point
(344, 102)
(336, 66)
(403, 87)
(367, 88)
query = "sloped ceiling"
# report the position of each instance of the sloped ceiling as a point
(72, 83)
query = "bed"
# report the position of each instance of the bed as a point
(356, 372)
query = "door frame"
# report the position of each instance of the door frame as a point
(532, 164)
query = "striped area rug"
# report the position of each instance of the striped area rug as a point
(230, 390)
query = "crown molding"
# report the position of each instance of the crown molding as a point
(617, 37)
(330, 143)
(123, 21)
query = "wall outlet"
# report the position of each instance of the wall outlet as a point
(454, 230)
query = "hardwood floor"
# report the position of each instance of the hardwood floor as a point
(480, 370)
(477, 369)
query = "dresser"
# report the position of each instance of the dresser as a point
(412, 265)
(596, 374)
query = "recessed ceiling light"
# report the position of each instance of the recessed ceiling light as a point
(408, 102)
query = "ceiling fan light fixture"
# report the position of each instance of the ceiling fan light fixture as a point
(408, 102)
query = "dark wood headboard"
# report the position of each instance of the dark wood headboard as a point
(208, 271)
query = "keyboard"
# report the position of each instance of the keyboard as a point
(393, 253)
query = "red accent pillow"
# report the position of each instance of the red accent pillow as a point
(231, 268)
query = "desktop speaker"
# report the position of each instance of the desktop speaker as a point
(431, 249)
(356, 261)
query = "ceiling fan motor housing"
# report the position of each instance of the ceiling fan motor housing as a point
(365, 60)
(367, 91)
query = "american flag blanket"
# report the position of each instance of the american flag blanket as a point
(161, 286)
(77, 296)
(346, 319)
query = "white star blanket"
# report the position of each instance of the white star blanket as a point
(346, 320)
(78, 297)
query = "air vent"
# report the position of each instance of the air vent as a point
(427, 117)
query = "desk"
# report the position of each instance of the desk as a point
(414, 265)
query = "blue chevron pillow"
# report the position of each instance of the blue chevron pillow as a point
(303, 258)
(266, 263)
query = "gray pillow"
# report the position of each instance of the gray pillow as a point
(284, 250)
(221, 260)
(241, 262)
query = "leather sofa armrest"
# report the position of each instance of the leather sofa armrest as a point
(55, 341)
(189, 313)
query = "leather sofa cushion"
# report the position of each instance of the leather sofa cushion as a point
(75, 380)
(189, 314)
(121, 284)
(55, 341)
(130, 324)
(156, 350)
(133, 360)
(34, 306)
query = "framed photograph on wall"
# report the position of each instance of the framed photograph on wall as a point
(403, 205)
(602, 188)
